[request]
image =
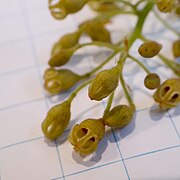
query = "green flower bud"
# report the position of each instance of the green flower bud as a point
(86, 135)
(66, 42)
(149, 49)
(61, 57)
(96, 31)
(57, 81)
(176, 48)
(104, 84)
(56, 120)
(73, 6)
(119, 116)
(165, 5)
(152, 81)
(168, 94)
(57, 9)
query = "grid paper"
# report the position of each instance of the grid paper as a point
(148, 148)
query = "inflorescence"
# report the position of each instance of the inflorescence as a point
(103, 83)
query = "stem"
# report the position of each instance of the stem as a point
(166, 24)
(142, 15)
(108, 107)
(100, 66)
(120, 65)
(75, 92)
(139, 63)
(101, 44)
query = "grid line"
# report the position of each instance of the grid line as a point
(173, 124)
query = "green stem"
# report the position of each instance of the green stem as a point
(166, 24)
(121, 65)
(142, 15)
(139, 63)
(100, 66)
(108, 107)
(75, 92)
(101, 44)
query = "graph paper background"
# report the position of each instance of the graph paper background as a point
(148, 148)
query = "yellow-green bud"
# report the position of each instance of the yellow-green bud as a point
(62, 57)
(86, 135)
(96, 31)
(165, 5)
(168, 94)
(152, 81)
(66, 42)
(57, 9)
(149, 49)
(57, 81)
(56, 120)
(119, 116)
(73, 6)
(176, 48)
(104, 84)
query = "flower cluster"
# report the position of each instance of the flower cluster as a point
(86, 136)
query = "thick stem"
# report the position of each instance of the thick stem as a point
(142, 15)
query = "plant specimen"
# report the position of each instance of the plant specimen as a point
(103, 83)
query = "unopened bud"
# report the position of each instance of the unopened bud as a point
(104, 84)
(56, 120)
(149, 49)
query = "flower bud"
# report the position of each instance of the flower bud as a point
(149, 49)
(176, 48)
(104, 84)
(57, 9)
(165, 5)
(119, 116)
(73, 6)
(152, 81)
(96, 31)
(86, 135)
(66, 42)
(61, 57)
(168, 94)
(57, 81)
(56, 120)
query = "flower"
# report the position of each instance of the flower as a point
(86, 135)
(168, 94)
